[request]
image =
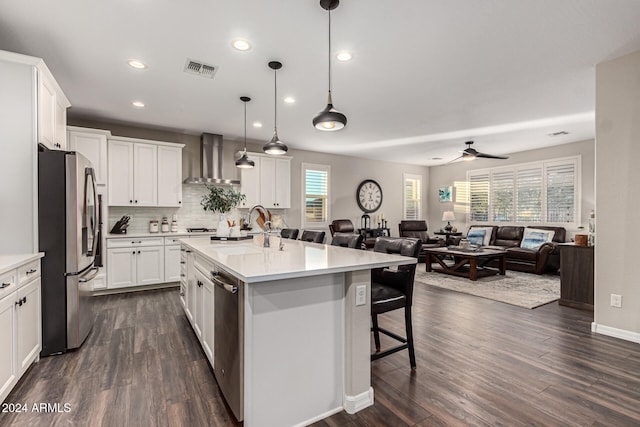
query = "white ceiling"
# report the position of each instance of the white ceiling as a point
(425, 75)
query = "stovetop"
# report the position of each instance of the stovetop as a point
(200, 230)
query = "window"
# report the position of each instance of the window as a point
(541, 192)
(315, 184)
(412, 189)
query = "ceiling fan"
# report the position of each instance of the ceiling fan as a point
(471, 153)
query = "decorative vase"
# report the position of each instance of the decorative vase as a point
(223, 226)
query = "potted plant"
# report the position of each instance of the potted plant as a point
(221, 200)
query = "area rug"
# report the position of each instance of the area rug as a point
(522, 289)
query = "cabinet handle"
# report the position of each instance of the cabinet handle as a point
(130, 201)
(24, 300)
(33, 270)
(179, 201)
(134, 252)
(136, 201)
(182, 262)
(19, 303)
(138, 251)
(5, 285)
(182, 275)
(181, 293)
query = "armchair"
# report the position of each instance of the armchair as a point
(418, 229)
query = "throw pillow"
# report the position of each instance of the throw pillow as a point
(475, 236)
(534, 238)
(487, 234)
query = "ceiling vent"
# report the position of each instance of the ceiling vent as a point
(199, 69)
(562, 132)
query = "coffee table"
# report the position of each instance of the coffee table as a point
(468, 264)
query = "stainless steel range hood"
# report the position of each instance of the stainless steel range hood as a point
(211, 162)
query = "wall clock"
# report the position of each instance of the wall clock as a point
(369, 195)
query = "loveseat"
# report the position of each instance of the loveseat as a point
(527, 257)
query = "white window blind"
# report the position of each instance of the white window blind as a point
(316, 194)
(478, 196)
(412, 191)
(540, 192)
(502, 184)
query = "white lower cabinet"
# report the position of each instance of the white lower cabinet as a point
(135, 262)
(208, 324)
(190, 289)
(198, 307)
(20, 323)
(172, 262)
(203, 303)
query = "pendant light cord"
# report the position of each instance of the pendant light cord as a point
(275, 102)
(329, 50)
(245, 128)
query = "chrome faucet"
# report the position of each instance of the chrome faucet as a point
(267, 229)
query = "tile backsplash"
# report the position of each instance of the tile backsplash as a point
(190, 214)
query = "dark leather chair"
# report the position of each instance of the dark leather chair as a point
(418, 229)
(347, 240)
(341, 226)
(312, 236)
(289, 233)
(392, 290)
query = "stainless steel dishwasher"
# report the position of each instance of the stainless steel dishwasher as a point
(228, 352)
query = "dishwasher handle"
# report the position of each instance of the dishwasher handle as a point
(224, 285)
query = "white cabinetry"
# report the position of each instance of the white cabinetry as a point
(141, 171)
(169, 176)
(52, 111)
(21, 117)
(135, 262)
(91, 143)
(173, 261)
(20, 321)
(191, 287)
(204, 323)
(268, 183)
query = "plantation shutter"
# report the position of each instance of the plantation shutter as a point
(316, 193)
(478, 196)
(502, 196)
(561, 185)
(412, 197)
(529, 194)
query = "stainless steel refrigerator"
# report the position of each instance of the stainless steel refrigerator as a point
(68, 235)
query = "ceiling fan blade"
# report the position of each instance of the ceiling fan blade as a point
(457, 158)
(491, 156)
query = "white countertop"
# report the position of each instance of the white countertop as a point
(181, 233)
(9, 262)
(252, 263)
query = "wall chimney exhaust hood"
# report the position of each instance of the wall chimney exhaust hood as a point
(211, 162)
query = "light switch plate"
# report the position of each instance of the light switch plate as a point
(616, 300)
(361, 295)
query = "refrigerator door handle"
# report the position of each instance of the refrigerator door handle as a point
(89, 275)
(89, 177)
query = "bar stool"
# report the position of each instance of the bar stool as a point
(312, 236)
(392, 290)
(347, 240)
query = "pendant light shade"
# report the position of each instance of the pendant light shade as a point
(329, 119)
(244, 162)
(275, 146)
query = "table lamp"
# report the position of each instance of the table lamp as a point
(448, 216)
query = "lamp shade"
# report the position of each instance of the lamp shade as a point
(448, 216)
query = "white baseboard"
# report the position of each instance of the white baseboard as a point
(319, 417)
(615, 332)
(353, 404)
(99, 292)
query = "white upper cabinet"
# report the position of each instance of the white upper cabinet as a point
(52, 111)
(169, 176)
(268, 183)
(144, 173)
(91, 143)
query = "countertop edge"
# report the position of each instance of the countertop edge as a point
(10, 262)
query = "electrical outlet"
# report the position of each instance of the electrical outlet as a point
(361, 295)
(616, 300)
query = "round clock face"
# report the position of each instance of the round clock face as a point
(369, 195)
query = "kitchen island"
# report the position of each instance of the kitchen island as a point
(287, 332)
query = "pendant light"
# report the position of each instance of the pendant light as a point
(244, 162)
(329, 119)
(275, 146)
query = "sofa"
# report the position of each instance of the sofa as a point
(539, 260)
(418, 229)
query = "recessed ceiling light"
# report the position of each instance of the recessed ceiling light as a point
(257, 124)
(344, 56)
(138, 104)
(289, 100)
(137, 64)
(241, 44)
(562, 132)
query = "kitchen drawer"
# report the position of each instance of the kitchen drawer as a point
(28, 272)
(7, 283)
(204, 266)
(171, 241)
(135, 241)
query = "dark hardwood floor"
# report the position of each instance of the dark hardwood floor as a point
(480, 362)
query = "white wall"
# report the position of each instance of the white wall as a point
(618, 204)
(449, 175)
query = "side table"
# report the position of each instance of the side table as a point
(576, 276)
